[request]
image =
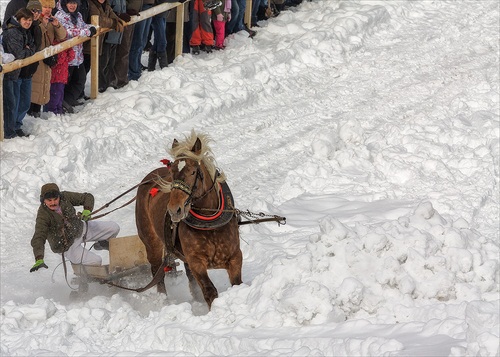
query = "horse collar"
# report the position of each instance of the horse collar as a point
(224, 213)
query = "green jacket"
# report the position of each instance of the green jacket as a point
(60, 230)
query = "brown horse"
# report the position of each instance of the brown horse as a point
(185, 211)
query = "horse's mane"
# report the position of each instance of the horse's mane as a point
(205, 157)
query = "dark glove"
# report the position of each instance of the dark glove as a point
(124, 16)
(92, 30)
(38, 264)
(132, 12)
(50, 61)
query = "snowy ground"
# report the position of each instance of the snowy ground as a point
(373, 126)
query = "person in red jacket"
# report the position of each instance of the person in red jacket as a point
(202, 36)
(59, 78)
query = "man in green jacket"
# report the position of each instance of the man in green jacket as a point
(58, 223)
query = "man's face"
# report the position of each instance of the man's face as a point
(52, 203)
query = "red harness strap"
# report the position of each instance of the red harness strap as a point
(217, 214)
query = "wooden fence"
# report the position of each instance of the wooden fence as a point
(94, 45)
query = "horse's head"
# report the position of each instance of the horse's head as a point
(187, 177)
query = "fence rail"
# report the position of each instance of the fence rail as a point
(94, 45)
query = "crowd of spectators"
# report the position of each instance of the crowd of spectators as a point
(57, 84)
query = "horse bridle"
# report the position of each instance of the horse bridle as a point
(184, 187)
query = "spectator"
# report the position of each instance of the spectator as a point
(139, 39)
(26, 74)
(59, 78)
(237, 23)
(72, 20)
(10, 10)
(158, 51)
(171, 32)
(107, 60)
(202, 35)
(235, 10)
(256, 4)
(49, 29)
(220, 15)
(17, 41)
(118, 75)
(107, 19)
(6, 57)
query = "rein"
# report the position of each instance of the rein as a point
(118, 197)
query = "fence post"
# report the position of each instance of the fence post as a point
(94, 59)
(248, 14)
(179, 30)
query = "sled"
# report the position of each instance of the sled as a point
(127, 257)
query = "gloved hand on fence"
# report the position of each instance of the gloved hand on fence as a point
(92, 30)
(38, 264)
(124, 16)
(132, 12)
(85, 215)
(220, 17)
(51, 61)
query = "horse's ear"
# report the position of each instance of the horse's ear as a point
(197, 147)
(175, 144)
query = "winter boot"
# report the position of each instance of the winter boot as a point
(195, 50)
(162, 59)
(207, 48)
(153, 56)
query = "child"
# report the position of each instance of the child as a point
(220, 15)
(72, 20)
(59, 78)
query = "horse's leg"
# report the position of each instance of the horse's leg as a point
(234, 268)
(194, 288)
(156, 260)
(199, 271)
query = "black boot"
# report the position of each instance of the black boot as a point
(196, 50)
(162, 59)
(101, 245)
(153, 56)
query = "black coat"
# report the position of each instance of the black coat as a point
(19, 42)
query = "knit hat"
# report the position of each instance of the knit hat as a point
(48, 3)
(49, 190)
(34, 5)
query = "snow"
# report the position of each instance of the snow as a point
(373, 126)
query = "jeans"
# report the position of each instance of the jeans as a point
(159, 24)
(238, 21)
(255, 9)
(139, 39)
(235, 10)
(11, 90)
(24, 100)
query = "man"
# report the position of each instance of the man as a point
(58, 223)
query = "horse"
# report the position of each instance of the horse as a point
(186, 211)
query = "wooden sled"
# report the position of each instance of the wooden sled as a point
(127, 257)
